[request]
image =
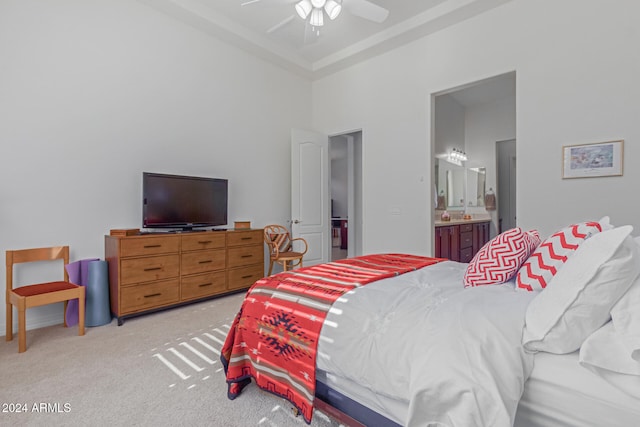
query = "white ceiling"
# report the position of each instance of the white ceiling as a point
(272, 30)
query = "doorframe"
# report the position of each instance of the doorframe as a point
(354, 188)
(505, 202)
(350, 196)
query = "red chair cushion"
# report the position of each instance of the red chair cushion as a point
(43, 288)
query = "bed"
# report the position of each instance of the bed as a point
(409, 340)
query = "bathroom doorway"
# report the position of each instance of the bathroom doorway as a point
(345, 153)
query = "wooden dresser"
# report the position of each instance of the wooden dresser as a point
(148, 272)
(460, 241)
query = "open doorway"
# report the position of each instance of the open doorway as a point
(470, 119)
(345, 153)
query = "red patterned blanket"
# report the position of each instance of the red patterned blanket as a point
(274, 337)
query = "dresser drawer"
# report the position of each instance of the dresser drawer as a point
(466, 240)
(244, 277)
(150, 295)
(210, 240)
(149, 245)
(237, 238)
(245, 255)
(203, 261)
(202, 285)
(146, 269)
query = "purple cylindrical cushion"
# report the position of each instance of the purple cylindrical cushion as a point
(78, 272)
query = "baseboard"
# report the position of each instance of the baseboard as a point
(35, 320)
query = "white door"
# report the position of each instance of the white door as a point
(310, 193)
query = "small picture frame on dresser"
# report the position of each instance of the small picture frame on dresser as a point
(124, 231)
(239, 225)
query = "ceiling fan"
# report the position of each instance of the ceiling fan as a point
(313, 11)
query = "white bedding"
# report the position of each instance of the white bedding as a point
(561, 393)
(454, 355)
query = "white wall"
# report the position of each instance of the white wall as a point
(449, 125)
(391, 111)
(577, 68)
(94, 93)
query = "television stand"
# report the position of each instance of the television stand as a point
(151, 272)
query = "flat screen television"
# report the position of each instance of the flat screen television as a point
(183, 202)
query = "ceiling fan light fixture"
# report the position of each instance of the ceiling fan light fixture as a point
(317, 18)
(318, 4)
(333, 8)
(303, 8)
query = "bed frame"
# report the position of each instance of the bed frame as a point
(338, 406)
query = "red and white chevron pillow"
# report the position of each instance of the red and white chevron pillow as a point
(536, 273)
(499, 259)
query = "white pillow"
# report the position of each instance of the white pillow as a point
(605, 222)
(605, 354)
(625, 316)
(580, 296)
(614, 349)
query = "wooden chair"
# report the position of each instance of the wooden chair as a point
(40, 293)
(281, 247)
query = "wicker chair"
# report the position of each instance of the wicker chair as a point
(281, 247)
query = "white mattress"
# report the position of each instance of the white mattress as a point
(558, 393)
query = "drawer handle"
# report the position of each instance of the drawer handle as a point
(246, 256)
(205, 284)
(206, 261)
(153, 295)
(204, 242)
(152, 246)
(153, 268)
(246, 238)
(247, 276)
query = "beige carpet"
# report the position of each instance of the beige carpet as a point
(157, 369)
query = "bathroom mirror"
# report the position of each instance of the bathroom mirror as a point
(450, 185)
(476, 186)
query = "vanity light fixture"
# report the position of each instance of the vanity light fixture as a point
(457, 157)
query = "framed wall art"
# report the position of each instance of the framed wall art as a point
(592, 160)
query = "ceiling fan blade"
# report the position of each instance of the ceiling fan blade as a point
(281, 24)
(248, 2)
(367, 10)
